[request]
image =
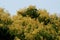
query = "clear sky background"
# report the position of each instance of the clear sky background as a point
(52, 6)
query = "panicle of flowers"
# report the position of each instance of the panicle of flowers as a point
(1, 9)
(31, 7)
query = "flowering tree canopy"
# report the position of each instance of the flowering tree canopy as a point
(29, 24)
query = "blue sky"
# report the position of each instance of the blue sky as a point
(12, 6)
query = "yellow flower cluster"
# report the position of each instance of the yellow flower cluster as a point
(43, 13)
(1, 9)
(31, 7)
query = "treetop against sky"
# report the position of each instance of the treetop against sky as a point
(12, 5)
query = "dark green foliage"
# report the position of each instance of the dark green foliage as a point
(22, 36)
(32, 13)
(47, 35)
(37, 37)
(43, 20)
(5, 35)
(55, 27)
(47, 21)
